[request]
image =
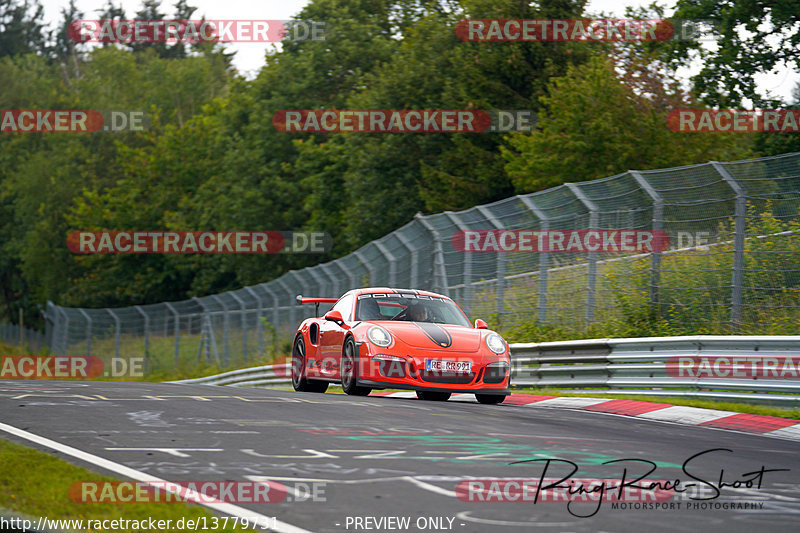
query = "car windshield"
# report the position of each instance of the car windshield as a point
(411, 308)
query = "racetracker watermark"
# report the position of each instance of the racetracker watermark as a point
(195, 31)
(69, 367)
(216, 491)
(736, 121)
(198, 242)
(578, 241)
(71, 120)
(558, 30)
(737, 367)
(405, 121)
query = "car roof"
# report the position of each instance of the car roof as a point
(373, 290)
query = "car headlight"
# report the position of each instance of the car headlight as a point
(379, 336)
(496, 343)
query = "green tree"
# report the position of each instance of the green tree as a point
(752, 38)
(21, 29)
(385, 178)
(773, 143)
(595, 123)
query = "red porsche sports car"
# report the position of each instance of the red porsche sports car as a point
(380, 338)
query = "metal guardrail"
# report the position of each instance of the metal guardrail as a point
(621, 366)
(246, 377)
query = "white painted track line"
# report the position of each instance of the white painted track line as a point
(226, 508)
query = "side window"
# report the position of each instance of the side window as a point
(345, 306)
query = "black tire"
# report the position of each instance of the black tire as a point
(490, 399)
(349, 369)
(433, 396)
(299, 381)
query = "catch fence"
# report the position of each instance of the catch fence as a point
(731, 265)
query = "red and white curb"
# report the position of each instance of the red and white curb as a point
(768, 426)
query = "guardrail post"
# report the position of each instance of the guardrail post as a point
(740, 223)
(88, 332)
(658, 225)
(391, 259)
(259, 332)
(116, 333)
(225, 352)
(591, 274)
(146, 338)
(177, 325)
(544, 256)
(243, 323)
(439, 253)
(501, 264)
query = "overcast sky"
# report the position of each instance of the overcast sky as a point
(250, 56)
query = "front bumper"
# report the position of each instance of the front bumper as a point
(408, 386)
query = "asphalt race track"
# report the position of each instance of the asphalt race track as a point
(367, 464)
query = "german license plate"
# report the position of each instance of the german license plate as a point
(439, 365)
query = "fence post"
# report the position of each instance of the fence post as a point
(260, 310)
(367, 265)
(591, 274)
(501, 263)
(439, 260)
(177, 324)
(49, 325)
(276, 307)
(349, 272)
(467, 273)
(243, 323)
(317, 279)
(544, 256)
(116, 333)
(146, 338)
(414, 276)
(333, 279)
(392, 262)
(225, 319)
(658, 225)
(65, 334)
(292, 305)
(740, 222)
(303, 289)
(205, 320)
(88, 332)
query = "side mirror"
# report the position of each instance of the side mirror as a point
(336, 316)
(480, 324)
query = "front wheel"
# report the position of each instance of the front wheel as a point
(490, 399)
(299, 381)
(433, 396)
(350, 370)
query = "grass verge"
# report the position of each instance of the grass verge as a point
(35, 484)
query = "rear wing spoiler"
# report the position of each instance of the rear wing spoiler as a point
(316, 301)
